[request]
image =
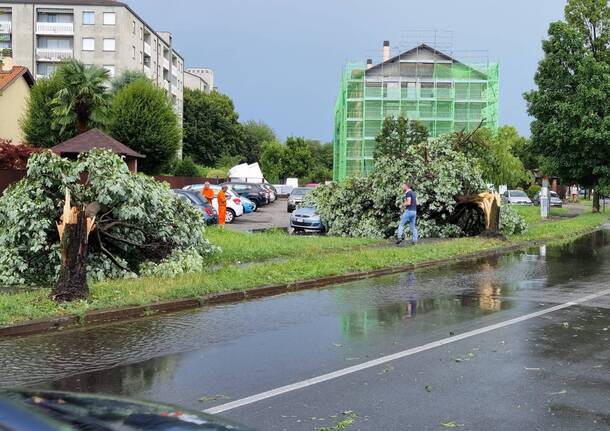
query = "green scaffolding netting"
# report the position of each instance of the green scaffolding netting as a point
(445, 97)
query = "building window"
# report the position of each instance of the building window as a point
(88, 44)
(109, 18)
(141, 34)
(111, 70)
(133, 55)
(88, 18)
(133, 23)
(141, 57)
(109, 44)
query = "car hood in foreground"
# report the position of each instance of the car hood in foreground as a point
(55, 411)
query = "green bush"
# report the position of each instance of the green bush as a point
(532, 190)
(511, 222)
(188, 168)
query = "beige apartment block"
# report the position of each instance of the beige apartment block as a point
(106, 33)
(197, 78)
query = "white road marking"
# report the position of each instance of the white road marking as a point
(385, 359)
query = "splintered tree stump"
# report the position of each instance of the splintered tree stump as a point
(490, 204)
(74, 234)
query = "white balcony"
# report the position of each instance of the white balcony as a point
(54, 54)
(147, 49)
(147, 71)
(6, 26)
(55, 28)
(166, 63)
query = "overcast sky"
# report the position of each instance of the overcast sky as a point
(280, 60)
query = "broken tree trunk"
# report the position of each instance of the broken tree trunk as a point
(74, 232)
(490, 204)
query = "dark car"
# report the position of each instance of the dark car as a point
(209, 213)
(555, 199)
(29, 410)
(258, 195)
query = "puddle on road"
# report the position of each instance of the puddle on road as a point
(358, 314)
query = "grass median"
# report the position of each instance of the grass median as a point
(303, 258)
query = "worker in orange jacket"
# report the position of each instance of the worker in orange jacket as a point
(208, 193)
(222, 207)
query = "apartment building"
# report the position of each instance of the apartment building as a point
(41, 34)
(197, 78)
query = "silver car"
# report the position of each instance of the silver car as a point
(555, 199)
(306, 219)
(516, 197)
(296, 197)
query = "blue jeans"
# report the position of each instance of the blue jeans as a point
(408, 217)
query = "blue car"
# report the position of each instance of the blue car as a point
(249, 206)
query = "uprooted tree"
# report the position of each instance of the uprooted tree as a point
(69, 221)
(451, 192)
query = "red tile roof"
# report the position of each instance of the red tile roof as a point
(7, 78)
(91, 139)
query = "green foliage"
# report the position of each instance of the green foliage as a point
(143, 119)
(532, 190)
(188, 168)
(511, 222)
(126, 78)
(211, 127)
(370, 206)
(494, 155)
(82, 100)
(571, 105)
(37, 124)
(397, 135)
(140, 220)
(272, 161)
(255, 134)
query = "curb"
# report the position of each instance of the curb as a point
(103, 316)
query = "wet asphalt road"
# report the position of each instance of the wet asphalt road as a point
(548, 372)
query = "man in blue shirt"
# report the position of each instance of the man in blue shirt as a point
(409, 216)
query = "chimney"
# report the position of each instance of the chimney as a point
(386, 50)
(369, 63)
(7, 64)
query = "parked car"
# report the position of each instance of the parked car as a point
(272, 191)
(555, 199)
(257, 194)
(234, 207)
(296, 197)
(306, 219)
(29, 410)
(209, 213)
(516, 197)
(249, 206)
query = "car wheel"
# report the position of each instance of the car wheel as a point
(254, 206)
(230, 217)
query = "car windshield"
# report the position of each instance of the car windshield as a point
(300, 191)
(518, 194)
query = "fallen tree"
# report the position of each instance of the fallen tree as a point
(114, 224)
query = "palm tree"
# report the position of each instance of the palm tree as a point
(83, 99)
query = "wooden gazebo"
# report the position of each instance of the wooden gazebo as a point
(95, 138)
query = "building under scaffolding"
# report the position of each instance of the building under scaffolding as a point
(421, 84)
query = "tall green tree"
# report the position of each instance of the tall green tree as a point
(211, 127)
(272, 161)
(571, 105)
(126, 78)
(397, 135)
(141, 117)
(83, 99)
(255, 135)
(37, 123)
(297, 158)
